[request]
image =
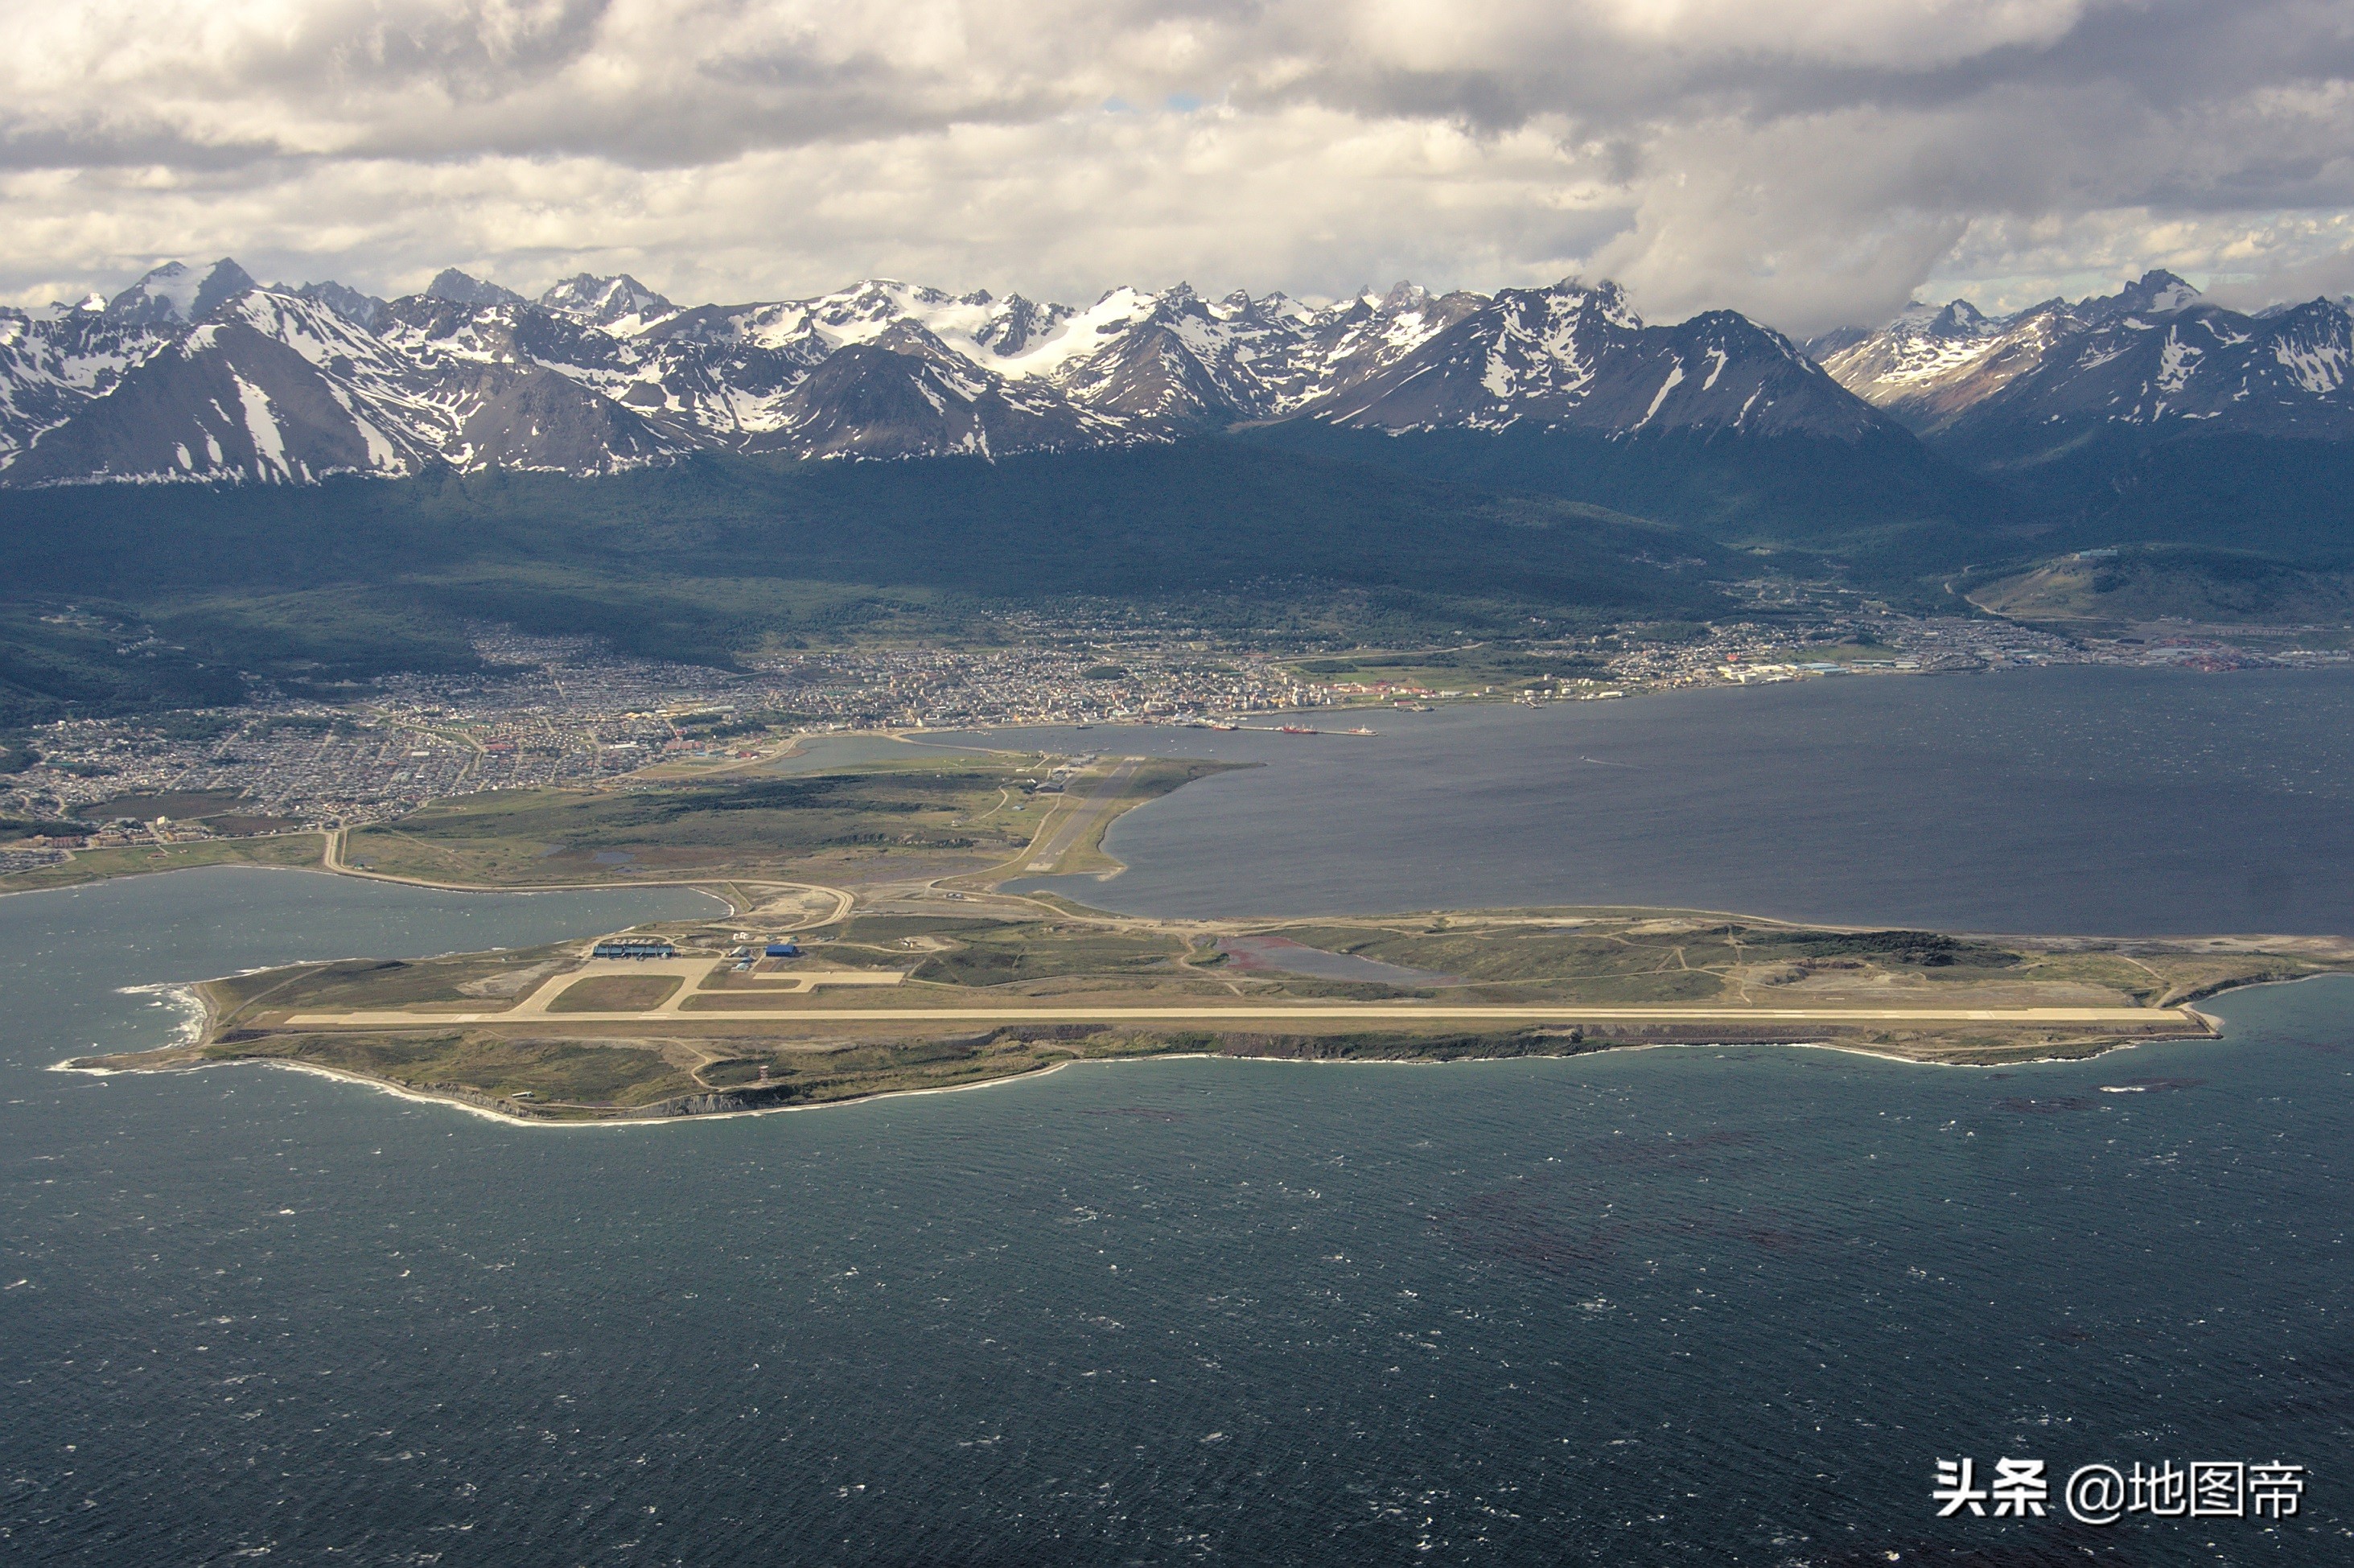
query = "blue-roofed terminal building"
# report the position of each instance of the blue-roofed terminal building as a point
(632, 948)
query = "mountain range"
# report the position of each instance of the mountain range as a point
(363, 480)
(2153, 361)
(204, 374)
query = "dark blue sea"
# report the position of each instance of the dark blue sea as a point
(2074, 799)
(1694, 1306)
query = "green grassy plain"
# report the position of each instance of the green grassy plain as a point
(616, 993)
(139, 860)
(1012, 957)
(737, 825)
(935, 818)
(476, 1067)
(879, 852)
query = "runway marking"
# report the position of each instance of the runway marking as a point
(1371, 1013)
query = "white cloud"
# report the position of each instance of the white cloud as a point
(1810, 163)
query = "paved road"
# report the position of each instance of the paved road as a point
(690, 974)
(1072, 828)
(1373, 1013)
(332, 859)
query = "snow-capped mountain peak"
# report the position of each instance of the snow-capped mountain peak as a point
(464, 289)
(176, 292)
(1959, 318)
(2166, 293)
(1573, 357)
(363, 311)
(606, 302)
(1080, 333)
(2155, 293)
(2153, 357)
(1605, 298)
(600, 373)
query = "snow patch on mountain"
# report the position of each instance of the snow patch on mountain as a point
(175, 292)
(1675, 379)
(207, 374)
(2318, 368)
(2152, 355)
(464, 289)
(620, 302)
(363, 311)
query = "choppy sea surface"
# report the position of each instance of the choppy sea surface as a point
(1699, 1306)
(2077, 800)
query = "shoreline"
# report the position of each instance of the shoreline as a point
(192, 992)
(455, 1102)
(487, 1113)
(202, 1014)
(698, 884)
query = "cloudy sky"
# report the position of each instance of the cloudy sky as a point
(1810, 162)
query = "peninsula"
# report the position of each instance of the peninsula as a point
(871, 945)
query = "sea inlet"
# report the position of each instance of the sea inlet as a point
(1700, 1305)
(2084, 800)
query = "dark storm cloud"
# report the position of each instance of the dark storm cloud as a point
(1811, 162)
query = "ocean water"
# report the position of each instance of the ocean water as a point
(1703, 1306)
(1697, 1305)
(2072, 800)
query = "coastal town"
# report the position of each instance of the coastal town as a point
(564, 712)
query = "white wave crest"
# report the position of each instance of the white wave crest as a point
(191, 1027)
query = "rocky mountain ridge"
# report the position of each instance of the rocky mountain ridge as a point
(204, 374)
(2155, 359)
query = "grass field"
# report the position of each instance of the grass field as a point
(1016, 989)
(742, 825)
(616, 993)
(924, 816)
(475, 983)
(1070, 840)
(139, 860)
(934, 817)
(917, 971)
(477, 1066)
